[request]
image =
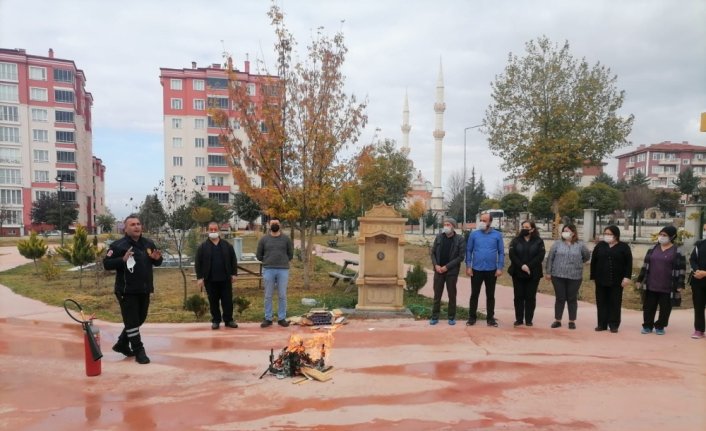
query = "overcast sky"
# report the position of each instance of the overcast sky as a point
(657, 48)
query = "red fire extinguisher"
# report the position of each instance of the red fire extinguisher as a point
(91, 339)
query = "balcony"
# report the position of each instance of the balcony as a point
(700, 162)
(670, 161)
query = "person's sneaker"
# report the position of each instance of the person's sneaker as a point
(556, 324)
(124, 349)
(283, 322)
(452, 322)
(517, 323)
(215, 325)
(231, 324)
(265, 323)
(646, 330)
(141, 357)
(659, 331)
(470, 322)
(433, 321)
(572, 325)
(493, 323)
(529, 324)
(697, 334)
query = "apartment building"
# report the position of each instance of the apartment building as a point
(45, 135)
(584, 178)
(193, 154)
(663, 162)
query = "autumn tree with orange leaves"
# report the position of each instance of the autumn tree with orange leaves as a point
(295, 132)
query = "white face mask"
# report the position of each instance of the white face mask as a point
(663, 239)
(446, 229)
(566, 235)
(213, 235)
(131, 264)
(608, 238)
(482, 225)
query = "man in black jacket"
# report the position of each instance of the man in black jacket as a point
(447, 253)
(132, 257)
(216, 267)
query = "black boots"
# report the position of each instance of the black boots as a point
(123, 346)
(141, 357)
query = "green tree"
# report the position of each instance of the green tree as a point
(541, 206)
(46, 210)
(604, 178)
(416, 278)
(569, 205)
(488, 203)
(687, 183)
(219, 213)
(246, 208)
(636, 198)
(80, 252)
(201, 215)
(385, 174)
(513, 204)
(33, 248)
(551, 115)
(106, 221)
(475, 194)
(152, 215)
(639, 179)
(667, 201)
(606, 199)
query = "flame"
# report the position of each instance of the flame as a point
(318, 345)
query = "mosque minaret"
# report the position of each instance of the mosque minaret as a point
(405, 124)
(437, 197)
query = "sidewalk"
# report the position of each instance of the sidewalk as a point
(389, 374)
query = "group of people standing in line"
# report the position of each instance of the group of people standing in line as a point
(662, 274)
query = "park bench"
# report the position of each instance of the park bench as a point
(333, 242)
(345, 276)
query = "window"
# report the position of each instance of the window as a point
(685, 161)
(38, 73)
(213, 141)
(200, 180)
(176, 104)
(8, 71)
(11, 197)
(68, 176)
(177, 161)
(251, 109)
(176, 123)
(64, 116)
(177, 143)
(65, 157)
(64, 136)
(642, 157)
(200, 162)
(10, 156)
(656, 169)
(39, 135)
(631, 159)
(10, 176)
(63, 96)
(175, 84)
(218, 102)
(250, 89)
(199, 123)
(38, 94)
(41, 176)
(8, 93)
(199, 104)
(63, 75)
(67, 196)
(212, 122)
(657, 156)
(221, 198)
(41, 156)
(199, 85)
(217, 83)
(13, 217)
(9, 113)
(40, 194)
(235, 124)
(216, 160)
(216, 180)
(199, 142)
(39, 114)
(700, 156)
(263, 127)
(9, 134)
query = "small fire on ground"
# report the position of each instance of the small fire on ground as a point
(303, 356)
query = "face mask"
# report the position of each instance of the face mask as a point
(608, 238)
(663, 239)
(131, 264)
(213, 235)
(566, 235)
(524, 232)
(482, 225)
(274, 228)
(446, 229)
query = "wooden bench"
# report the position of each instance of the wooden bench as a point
(333, 242)
(343, 275)
(250, 270)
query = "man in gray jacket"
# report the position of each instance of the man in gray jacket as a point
(275, 250)
(447, 253)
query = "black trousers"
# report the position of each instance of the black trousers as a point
(609, 300)
(566, 291)
(220, 294)
(652, 301)
(477, 280)
(699, 298)
(525, 298)
(134, 309)
(450, 281)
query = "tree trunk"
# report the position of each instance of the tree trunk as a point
(557, 219)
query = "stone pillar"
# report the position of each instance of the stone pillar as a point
(589, 224)
(381, 268)
(692, 224)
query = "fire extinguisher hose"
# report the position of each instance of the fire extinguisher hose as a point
(86, 324)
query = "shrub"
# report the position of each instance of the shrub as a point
(50, 271)
(324, 229)
(197, 304)
(416, 278)
(241, 304)
(34, 248)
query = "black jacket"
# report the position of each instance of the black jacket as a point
(530, 253)
(202, 263)
(140, 279)
(697, 260)
(609, 265)
(456, 254)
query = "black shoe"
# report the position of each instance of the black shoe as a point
(529, 324)
(556, 324)
(600, 328)
(283, 322)
(215, 325)
(265, 323)
(493, 323)
(141, 357)
(470, 322)
(614, 330)
(231, 324)
(517, 323)
(124, 349)
(572, 325)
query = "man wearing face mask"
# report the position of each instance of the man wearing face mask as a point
(446, 257)
(485, 260)
(132, 258)
(275, 250)
(216, 267)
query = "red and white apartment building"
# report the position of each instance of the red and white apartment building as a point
(45, 134)
(192, 150)
(663, 162)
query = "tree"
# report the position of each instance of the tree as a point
(606, 199)
(475, 194)
(46, 210)
(219, 213)
(541, 206)
(687, 183)
(488, 203)
(80, 252)
(201, 215)
(246, 208)
(296, 132)
(551, 115)
(667, 201)
(106, 221)
(513, 204)
(604, 178)
(416, 210)
(33, 248)
(639, 179)
(385, 174)
(636, 199)
(152, 215)
(569, 205)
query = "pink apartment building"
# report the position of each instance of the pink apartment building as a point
(663, 162)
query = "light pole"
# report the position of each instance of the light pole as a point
(591, 201)
(60, 180)
(464, 172)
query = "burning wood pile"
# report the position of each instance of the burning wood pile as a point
(302, 357)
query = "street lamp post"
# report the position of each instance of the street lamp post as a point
(60, 180)
(464, 172)
(591, 201)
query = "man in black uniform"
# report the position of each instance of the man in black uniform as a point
(216, 267)
(132, 257)
(447, 253)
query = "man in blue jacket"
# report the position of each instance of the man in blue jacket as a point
(485, 260)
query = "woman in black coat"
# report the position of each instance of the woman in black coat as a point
(526, 252)
(611, 269)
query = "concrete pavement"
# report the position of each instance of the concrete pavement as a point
(389, 374)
